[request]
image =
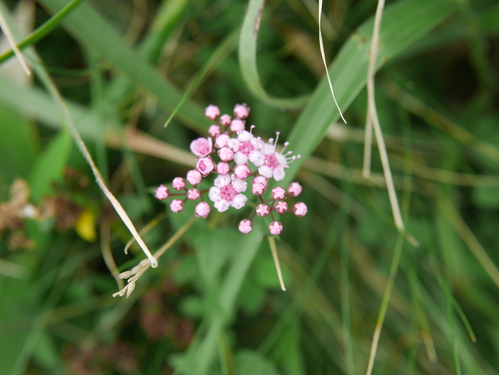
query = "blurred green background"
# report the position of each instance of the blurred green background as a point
(214, 304)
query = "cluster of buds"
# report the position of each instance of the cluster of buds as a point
(229, 152)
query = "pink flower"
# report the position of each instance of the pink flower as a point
(278, 193)
(202, 209)
(194, 177)
(193, 194)
(262, 210)
(281, 207)
(241, 111)
(300, 209)
(294, 189)
(247, 147)
(226, 154)
(222, 140)
(225, 120)
(227, 193)
(178, 183)
(205, 166)
(214, 131)
(242, 171)
(162, 193)
(258, 189)
(275, 228)
(237, 125)
(212, 112)
(223, 168)
(245, 226)
(177, 205)
(202, 147)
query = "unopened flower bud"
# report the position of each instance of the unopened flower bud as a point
(193, 194)
(245, 226)
(225, 120)
(162, 193)
(178, 183)
(237, 125)
(177, 205)
(260, 180)
(214, 131)
(242, 171)
(275, 228)
(241, 111)
(300, 209)
(258, 189)
(212, 112)
(262, 210)
(278, 193)
(226, 154)
(194, 177)
(202, 209)
(222, 140)
(294, 189)
(223, 168)
(281, 207)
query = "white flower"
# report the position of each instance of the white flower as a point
(270, 162)
(245, 147)
(226, 193)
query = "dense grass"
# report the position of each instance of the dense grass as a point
(214, 304)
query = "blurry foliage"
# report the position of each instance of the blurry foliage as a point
(213, 306)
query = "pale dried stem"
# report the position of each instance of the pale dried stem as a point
(373, 115)
(323, 55)
(13, 270)
(368, 140)
(468, 237)
(12, 42)
(100, 181)
(108, 255)
(134, 274)
(371, 71)
(273, 249)
(143, 231)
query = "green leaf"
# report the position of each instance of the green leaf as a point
(199, 357)
(248, 362)
(248, 63)
(18, 145)
(49, 167)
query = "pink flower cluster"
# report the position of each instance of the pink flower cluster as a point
(230, 151)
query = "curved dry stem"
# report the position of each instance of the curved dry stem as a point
(108, 255)
(323, 55)
(134, 274)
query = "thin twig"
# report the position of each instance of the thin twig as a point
(321, 44)
(12, 42)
